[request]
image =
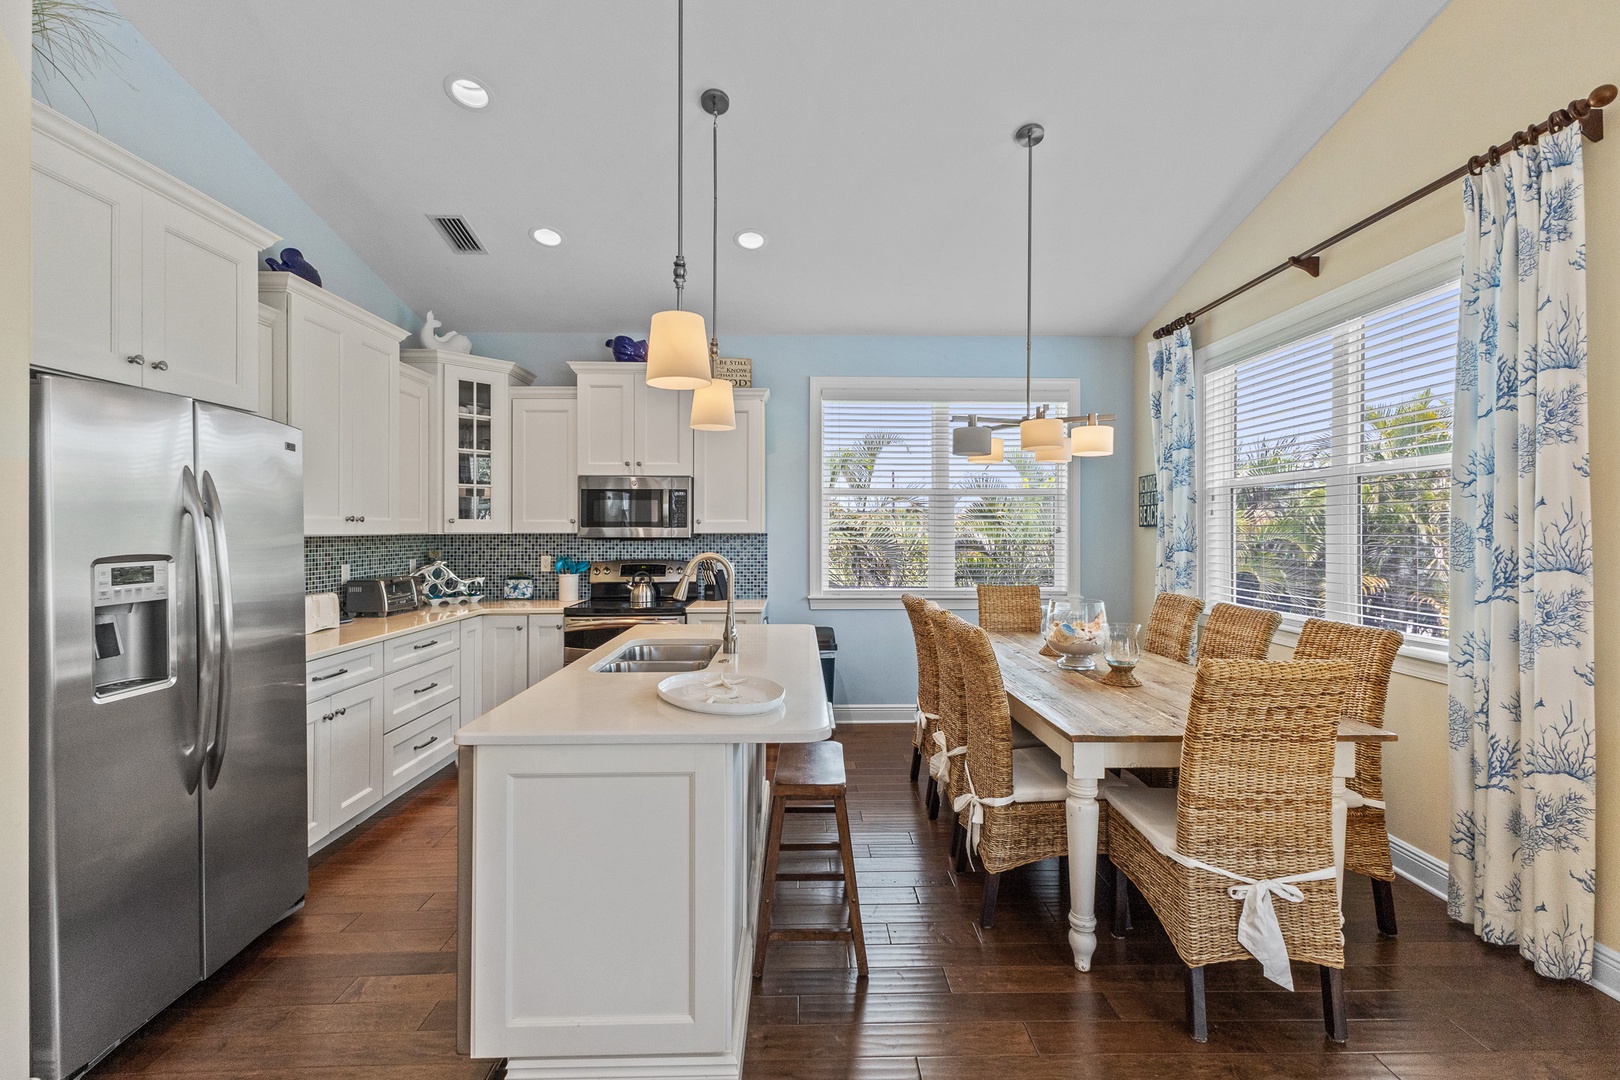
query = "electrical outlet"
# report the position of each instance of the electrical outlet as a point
(545, 565)
(343, 572)
(414, 561)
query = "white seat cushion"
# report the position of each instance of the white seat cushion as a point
(1151, 810)
(1023, 738)
(1037, 776)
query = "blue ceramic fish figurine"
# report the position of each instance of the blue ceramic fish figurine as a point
(292, 262)
(627, 350)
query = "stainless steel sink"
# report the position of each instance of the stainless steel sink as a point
(661, 656)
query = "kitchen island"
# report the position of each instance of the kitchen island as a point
(610, 855)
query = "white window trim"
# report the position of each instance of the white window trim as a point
(1426, 269)
(890, 388)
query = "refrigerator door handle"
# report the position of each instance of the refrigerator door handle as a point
(191, 505)
(213, 508)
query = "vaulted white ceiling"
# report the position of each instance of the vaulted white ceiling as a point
(871, 142)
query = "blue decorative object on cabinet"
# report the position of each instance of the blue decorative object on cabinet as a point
(520, 587)
(627, 350)
(292, 262)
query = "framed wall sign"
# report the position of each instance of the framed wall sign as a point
(1147, 501)
(738, 372)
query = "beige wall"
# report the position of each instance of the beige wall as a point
(1482, 69)
(16, 307)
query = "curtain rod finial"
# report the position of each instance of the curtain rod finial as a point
(1603, 95)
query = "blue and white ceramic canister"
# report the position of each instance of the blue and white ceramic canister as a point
(520, 587)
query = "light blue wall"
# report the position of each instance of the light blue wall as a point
(142, 104)
(876, 663)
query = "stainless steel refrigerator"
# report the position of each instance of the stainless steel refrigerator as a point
(167, 747)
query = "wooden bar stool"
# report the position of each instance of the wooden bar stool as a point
(809, 780)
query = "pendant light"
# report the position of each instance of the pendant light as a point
(714, 407)
(1050, 438)
(677, 353)
(1036, 431)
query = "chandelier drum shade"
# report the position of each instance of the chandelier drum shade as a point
(714, 407)
(677, 352)
(994, 457)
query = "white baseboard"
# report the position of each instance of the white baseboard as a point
(1606, 970)
(1427, 872)
(875, 714)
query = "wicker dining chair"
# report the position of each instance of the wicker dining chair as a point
(1170, 626)
(1012, 607)
(1256, 800)
(952, 724)
(1021, 793)
(1236, 632)
(1366, 836)
(922, 633)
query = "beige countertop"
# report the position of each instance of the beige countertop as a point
(579, 705)
(363, 631)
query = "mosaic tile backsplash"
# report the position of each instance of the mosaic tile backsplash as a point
(493, 557)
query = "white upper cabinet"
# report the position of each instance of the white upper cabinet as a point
(627, 428)
(416, 464)
(729, 471)
(340, 385)
(139, 278)
(474, 469)
(545, 486)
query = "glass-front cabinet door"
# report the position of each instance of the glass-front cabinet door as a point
(474, 457)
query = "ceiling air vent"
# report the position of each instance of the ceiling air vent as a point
(456, 232)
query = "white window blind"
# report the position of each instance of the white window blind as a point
(898, 511)
(1327, 470)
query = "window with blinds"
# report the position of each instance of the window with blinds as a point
(899, 512)
(1327, 471)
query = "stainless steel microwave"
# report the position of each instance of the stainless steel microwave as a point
(635, 507)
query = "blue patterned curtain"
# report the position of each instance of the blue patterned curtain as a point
(1523, 752)
(1173, 403)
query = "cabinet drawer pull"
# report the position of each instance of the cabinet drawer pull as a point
(341, 711)
(425, 689)
(140, 360)
(335, 674)
(160, 365)
(430, 742)
(425, 645)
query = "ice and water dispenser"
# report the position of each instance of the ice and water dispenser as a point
(134, 633)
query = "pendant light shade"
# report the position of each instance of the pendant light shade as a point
(677, 351)
(1092, 440)
(1060, 454)
(994, 457)
(1040, 433)
(971, 441)
(713, 408)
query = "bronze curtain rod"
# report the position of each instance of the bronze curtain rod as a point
(1587, 112)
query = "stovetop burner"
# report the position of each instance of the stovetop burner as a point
(623, 608)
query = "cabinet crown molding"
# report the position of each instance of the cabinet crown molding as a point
(53, 125)
(515, 373)
(274, 283)
(593, 367)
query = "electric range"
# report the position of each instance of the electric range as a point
(608, 612)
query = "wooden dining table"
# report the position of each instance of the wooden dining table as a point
(1094, 727)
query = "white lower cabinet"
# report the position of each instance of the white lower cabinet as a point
(718, 618)
(472, 668)
(345, 756)
(545, 646)
(506, 657)
(420, 746)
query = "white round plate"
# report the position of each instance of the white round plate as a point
(747, 694)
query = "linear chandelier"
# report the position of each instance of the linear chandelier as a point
(1049, 437)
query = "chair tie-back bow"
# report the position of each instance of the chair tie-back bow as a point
(976, 815)
(1258, 930)
(939, 765)
(922, 722)
(1354, 800)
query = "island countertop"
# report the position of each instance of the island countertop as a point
(578, 705)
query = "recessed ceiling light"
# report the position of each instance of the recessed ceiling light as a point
(750, 239)
(468, 93)
(548, 237)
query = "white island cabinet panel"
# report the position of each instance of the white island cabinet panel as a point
(584, 912)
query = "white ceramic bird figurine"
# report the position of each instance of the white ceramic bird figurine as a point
(450, 342)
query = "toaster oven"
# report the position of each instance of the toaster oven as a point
(381, 596)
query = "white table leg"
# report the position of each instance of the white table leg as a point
(1081, 807)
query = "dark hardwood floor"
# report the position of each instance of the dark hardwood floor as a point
(361, 983)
